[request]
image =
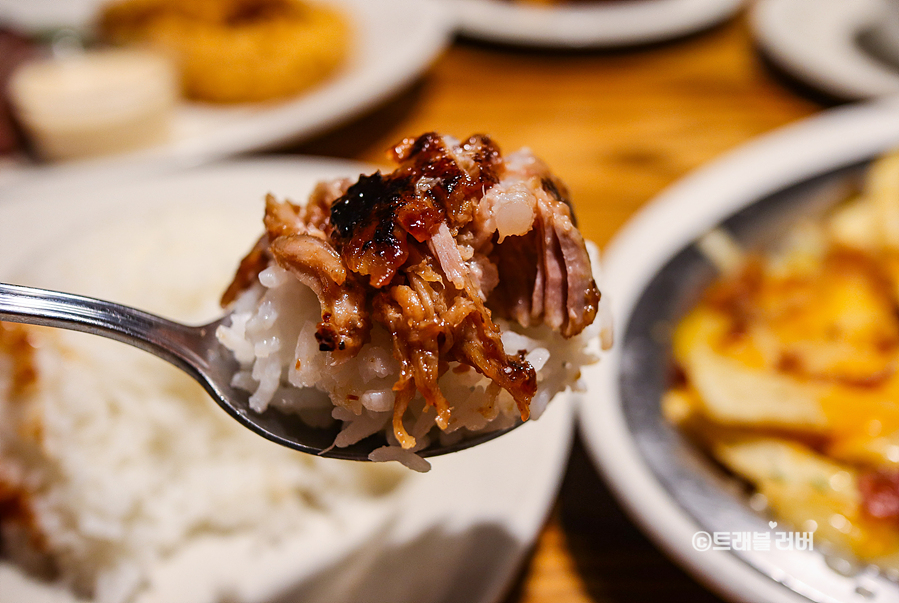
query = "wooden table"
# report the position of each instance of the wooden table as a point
(618, 127)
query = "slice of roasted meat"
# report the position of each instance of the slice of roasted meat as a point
(430, 252)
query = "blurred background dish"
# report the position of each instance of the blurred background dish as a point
(844, 49)
(458, 533)
(392, 42)
(655, 273)
(588, 23)
(235, 51)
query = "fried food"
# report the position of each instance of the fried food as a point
(790, 372)
(232, 51)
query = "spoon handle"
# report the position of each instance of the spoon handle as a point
(169, 340)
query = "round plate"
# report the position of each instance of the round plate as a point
(822, 43)
(456, 534)
(394, 41)
(653, 274)
(589, 24)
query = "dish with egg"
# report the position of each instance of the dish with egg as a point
(786, 370)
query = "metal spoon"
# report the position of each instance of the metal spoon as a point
(196, 351)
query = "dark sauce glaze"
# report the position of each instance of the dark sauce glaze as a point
(371, 223)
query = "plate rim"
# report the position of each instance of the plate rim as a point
(828, 57)
(702, 199)
(603, 25)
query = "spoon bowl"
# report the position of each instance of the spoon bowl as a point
(197, 351)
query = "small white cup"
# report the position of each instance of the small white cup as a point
(95, 102)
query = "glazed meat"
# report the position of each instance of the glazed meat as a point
(431, 252)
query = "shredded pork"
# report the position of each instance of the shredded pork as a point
(431, 252)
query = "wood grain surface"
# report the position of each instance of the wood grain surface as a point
(618, 127)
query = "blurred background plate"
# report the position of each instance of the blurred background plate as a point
(653, 275)
(395, 41)
(602, 23)
(832, 45)
(457, 534)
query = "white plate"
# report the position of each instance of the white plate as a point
(395, 41)
(456, 534)
(582, 25)
(655, 473)
(817, 41)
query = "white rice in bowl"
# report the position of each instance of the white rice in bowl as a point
(112, 461)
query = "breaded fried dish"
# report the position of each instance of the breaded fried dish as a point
(233, 51)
